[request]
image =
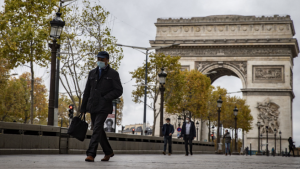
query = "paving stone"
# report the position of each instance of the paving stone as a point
(123, 161)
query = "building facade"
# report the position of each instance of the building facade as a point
(258, 50)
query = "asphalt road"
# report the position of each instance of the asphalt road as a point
(123, 161)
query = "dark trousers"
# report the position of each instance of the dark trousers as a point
(99, 136)
(188, 140)
(291, 149)
(168, 140)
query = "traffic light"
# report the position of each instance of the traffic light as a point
(132, 131)
(71, 111)
(212, 137)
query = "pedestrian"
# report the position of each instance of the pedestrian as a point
(167, 130)
(103, 85)
(247, 150)
(227, 139)
(291, 146)
(189, 134)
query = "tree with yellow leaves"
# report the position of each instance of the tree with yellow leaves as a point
(187, 90)
(155, 63)
(24, 32)
(15, 100)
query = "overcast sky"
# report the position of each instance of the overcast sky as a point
(134, 25)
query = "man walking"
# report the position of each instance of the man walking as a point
(291, 146)
(103, 86)
(167, 130)
(227, 139)
(189, 134)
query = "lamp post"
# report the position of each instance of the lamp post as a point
(258, 125)
(208, 128)
(235, 112)
(267, 146)
(275, 141)
(116, 102)
(179, 120)
(261, 141)
(146, 72)
(162, 80)
(280, 141)
(219, 105)
(212, 132)
(57, 25)
(184, 114)
(197, 125)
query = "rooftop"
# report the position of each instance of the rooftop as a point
(225, 18)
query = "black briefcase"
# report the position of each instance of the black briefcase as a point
(78, 127)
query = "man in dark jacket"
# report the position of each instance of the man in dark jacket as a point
(188, 133)
(291, 146)
(103, 86)
(227, 140)
(167, 130)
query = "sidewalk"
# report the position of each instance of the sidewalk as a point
(123, 161)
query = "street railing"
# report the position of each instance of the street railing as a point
(17, 138)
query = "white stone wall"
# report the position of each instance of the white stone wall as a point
(285, 120)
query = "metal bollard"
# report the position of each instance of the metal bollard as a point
(250, 150)
(285, 152)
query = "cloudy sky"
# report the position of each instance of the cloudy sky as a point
(134, 25)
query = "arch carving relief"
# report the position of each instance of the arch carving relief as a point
(268, 115)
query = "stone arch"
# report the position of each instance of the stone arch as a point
(225, 69)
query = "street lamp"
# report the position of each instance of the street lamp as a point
(179, 121)
(219, 105)
(280, 141)
(116, 102)
(267, 146)
(275, 140)
(162, 80)
(57, 25)
(258, 125)
(146, 71)
(235, 112)
(212, 132)
(261, 141)
(208, 127)
(197, 125)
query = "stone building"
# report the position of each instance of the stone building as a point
(260, 51)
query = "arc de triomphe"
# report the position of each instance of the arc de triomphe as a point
(258, 50)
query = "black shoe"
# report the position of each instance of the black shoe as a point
(191, 154)
(186, 154)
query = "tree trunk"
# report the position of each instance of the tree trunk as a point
(32, 86)
(243, 139)
(201, 131)
(154, 123)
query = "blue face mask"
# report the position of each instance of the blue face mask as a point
(101, 64)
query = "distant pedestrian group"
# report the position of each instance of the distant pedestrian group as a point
(188, 134)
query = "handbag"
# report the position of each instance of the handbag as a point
(78, 127)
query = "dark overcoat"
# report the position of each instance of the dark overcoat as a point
(192, 130)
(101, 91)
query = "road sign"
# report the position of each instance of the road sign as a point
(179, 129)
